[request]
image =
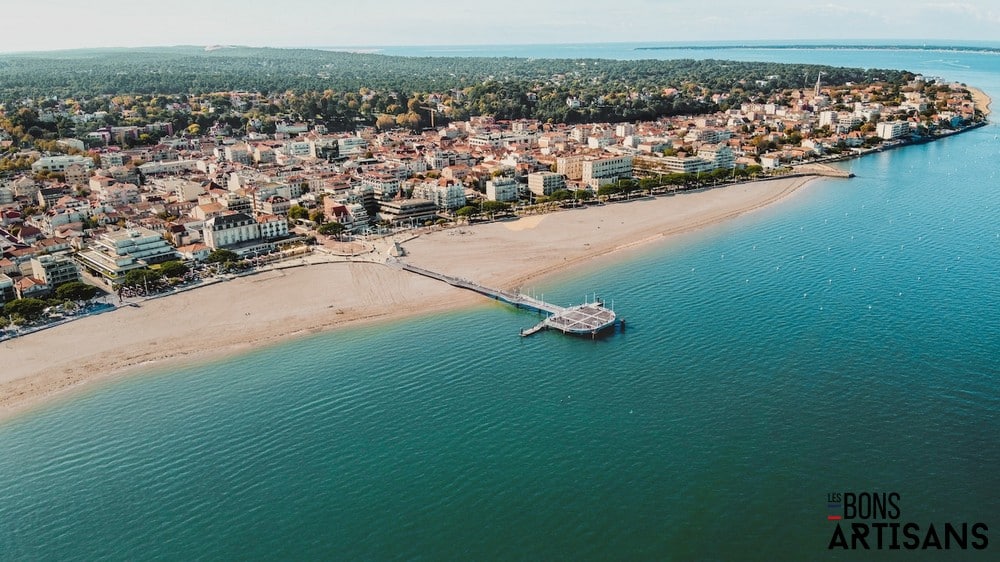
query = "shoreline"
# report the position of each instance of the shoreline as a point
(274, 307)
(981, 101)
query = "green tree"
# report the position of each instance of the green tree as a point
(317, 216)
(174, 269)
(297, 212)
(141, 278)
(332, 228)
(609, 189)
(222, 256)
(466, 211)
(28, 309)
(493, 207)
(76, 291)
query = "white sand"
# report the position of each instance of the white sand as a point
(272, 306)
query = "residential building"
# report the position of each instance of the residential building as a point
(179, 188)
(719, 156)
(606, 170)
(408, 211)
(272, 226)
(275, 205)
(889, 130)
(116, 252)
(571, 167)
(77, 174)
(503, 189)
(231, 230)
(7, 292)
(444, 193)
(58, 164)
(384, 185)
(545, 183)
(54, 270)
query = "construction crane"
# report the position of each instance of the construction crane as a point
(432, 110)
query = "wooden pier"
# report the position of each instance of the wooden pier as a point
(587, 318)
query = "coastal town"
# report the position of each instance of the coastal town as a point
(135, 210)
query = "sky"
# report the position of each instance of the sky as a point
(66, 24)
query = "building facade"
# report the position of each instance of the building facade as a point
(54, 270)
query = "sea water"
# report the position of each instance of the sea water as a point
(843, 340)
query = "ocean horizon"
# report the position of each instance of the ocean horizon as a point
(842, 340)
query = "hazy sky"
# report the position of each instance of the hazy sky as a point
(61, 24)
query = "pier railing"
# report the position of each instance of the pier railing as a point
(517, 299)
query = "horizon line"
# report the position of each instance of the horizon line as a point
(930, 43)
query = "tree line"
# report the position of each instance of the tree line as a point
(343, 90)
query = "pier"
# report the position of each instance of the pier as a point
(587, 318)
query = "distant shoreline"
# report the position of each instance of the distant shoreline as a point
(825, 47)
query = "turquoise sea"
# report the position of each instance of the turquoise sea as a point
(844, 340)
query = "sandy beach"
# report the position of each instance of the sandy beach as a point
(981, 100)
(273, 306)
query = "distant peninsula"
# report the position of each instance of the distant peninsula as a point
(823, 47)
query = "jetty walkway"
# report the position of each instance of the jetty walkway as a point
(587, 318)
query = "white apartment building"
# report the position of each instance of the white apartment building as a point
(623, 130)
(230, 230)
(385, 186)
(54, 270)
(847, 121)
(240, 153)
(272, 226)
(178, 188)
(710, 136)
(719, 156)
(444, 194)
(115, 253)
(828, 118)
(112, 159)
(59, 164)
(298, 148)
(503, 189)
(545, 183)
(890, 130)
(351, 145)
(606, 170)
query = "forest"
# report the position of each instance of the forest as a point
(343, 89)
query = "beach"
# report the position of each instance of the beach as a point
(981, 101)
(272, 306)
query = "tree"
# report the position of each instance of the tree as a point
(28, 309)
(332, 228)
(141, 278)
(466, 211)
(76, 291)
(174, 269)
(608, 189)
(493, 207)
(297, 212)
(317, 216)
(221, 256)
